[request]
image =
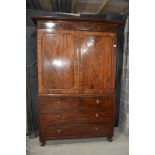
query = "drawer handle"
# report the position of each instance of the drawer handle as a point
(97, 101)
(59, 131)
(97, 115)
(58, 116)
(96, 128)
(58, 101)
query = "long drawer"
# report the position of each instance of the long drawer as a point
(75, 130)
(50, 104)
(75, 117)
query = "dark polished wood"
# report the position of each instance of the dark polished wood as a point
(67, 19)
(76, 77)
(78, 26)
(49, 104)
(80, 95)
(59, 67)
(97, 52)
(76, 130)
(77, 116)
(78, 64)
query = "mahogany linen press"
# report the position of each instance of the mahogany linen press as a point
(76, 77)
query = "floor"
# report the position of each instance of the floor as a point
(93, 146)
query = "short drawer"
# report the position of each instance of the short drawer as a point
(81, 116)
(49, 104)
(97, 103)
(75, 130)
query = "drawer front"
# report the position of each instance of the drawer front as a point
(57, 104)
(96, 103)
(49, 104)
(81, 116)
(75, 130)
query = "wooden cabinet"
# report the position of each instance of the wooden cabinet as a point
(76, 77)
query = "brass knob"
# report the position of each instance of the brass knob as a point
(59, 131)
(97, 115)
(58, 116)
(58, 101)
(97, 101)
(96, 128)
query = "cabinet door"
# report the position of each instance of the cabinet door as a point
(97, 62)
(57, 62)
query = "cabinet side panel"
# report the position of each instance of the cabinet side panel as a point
(39, 55)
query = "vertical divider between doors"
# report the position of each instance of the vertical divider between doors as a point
(78, 56)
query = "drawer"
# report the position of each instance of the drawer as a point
(75, 130)
(81, 116)
(96, 103)
(49, 104)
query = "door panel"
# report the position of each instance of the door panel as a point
(59, 66)
(97, 62)
(76, 62)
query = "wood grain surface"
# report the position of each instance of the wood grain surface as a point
(76, 77)
(76, 130)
